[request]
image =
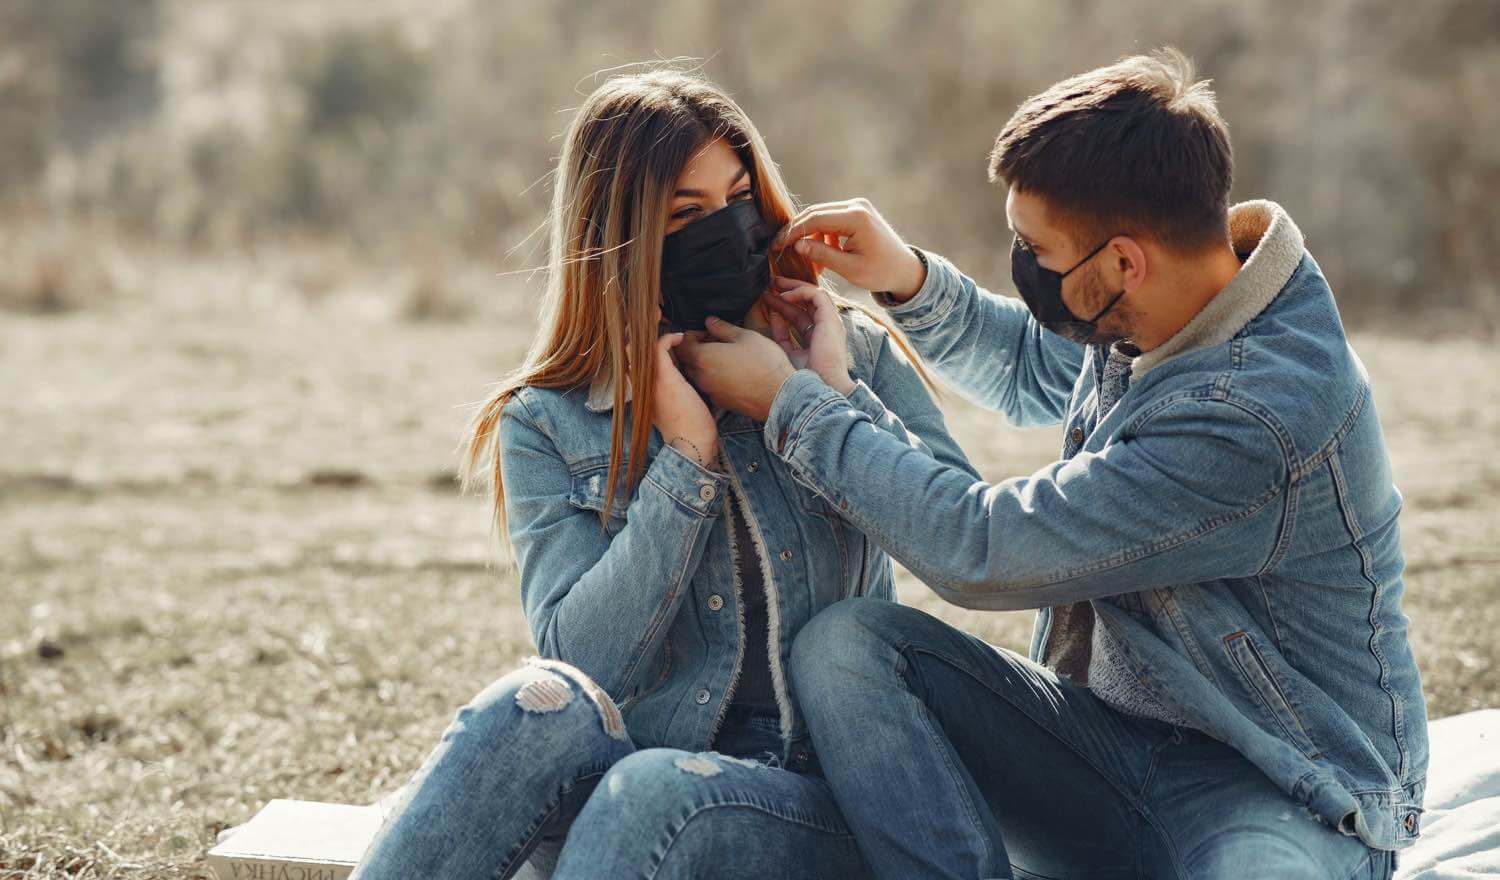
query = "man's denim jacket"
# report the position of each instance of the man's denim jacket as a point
(1237, 500)
(647, 603)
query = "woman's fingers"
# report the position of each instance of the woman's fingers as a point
(790, 312)
(778, 327)
(816, 299)
(664, 343)
(799, 318)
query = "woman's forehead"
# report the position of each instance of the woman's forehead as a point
(714, 166)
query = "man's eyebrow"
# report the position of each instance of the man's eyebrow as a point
(698, 193)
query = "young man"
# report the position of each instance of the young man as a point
(1219, 682)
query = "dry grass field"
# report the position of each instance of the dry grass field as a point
(236, 567)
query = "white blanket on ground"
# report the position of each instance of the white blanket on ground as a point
(1461, 828)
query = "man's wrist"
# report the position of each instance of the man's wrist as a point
(780, 382)
(913, 286)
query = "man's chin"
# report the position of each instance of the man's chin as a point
(1103, 340)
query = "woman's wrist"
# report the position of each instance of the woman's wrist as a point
(702, 450)
(839, 381)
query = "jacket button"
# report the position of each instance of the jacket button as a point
(715, 602)
(707, 492)
(785, 555)
(702, 696)
(754, 466)
(1076, 435)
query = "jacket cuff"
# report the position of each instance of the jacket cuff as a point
(801, 396)
(862, 397)
(688, 483)
(933, 300)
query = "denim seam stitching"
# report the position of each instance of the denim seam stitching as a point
(1162, 545)
(676, 833)
(701, 514)
(1288, 527)
(1134, 801)
(1265, 671)
(638, 653)
(1142, 817)
(954, 773)
(1398, 710)
(1174, 614)
(521, 851)
(944, 298)
(794, 436)
(1329, 448)
(1265, 599)
(530, 419)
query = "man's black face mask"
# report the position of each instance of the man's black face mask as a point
(718, 265)
(1041, 288)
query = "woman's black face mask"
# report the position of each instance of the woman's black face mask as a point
(718, 265)
(1041, 288)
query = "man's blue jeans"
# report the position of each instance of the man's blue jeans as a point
(536, 778)
(953, 759)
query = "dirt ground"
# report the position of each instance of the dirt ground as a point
(236, 566)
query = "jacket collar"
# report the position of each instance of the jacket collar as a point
(601, 397)
(1265, 230)
(602, 393)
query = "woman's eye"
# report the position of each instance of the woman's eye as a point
(685, 212)
(742, 194)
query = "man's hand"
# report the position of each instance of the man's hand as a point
(852, 239)
(738, 369)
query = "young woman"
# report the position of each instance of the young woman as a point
(666, 559)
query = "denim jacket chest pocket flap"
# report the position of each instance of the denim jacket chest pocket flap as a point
(587, 493)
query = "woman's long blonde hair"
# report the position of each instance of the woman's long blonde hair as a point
(620, 161)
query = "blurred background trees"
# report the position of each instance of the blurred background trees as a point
(394, 130)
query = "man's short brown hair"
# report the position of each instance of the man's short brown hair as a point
(1135, 148)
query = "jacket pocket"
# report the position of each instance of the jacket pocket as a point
(810, 501)
(654, 677)
(588, 494)
(1268, 692)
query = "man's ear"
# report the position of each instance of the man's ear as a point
(1131, 261)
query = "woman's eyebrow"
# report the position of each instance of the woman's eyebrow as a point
(698, 193)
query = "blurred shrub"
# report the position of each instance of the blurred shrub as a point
(44, 274)
(355, 78)
(1369, 120)
(71, 72)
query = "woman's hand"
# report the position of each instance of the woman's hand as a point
(677, 410)
(811, 311)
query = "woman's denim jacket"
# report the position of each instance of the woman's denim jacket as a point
(1235, 504)
(647, 603)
